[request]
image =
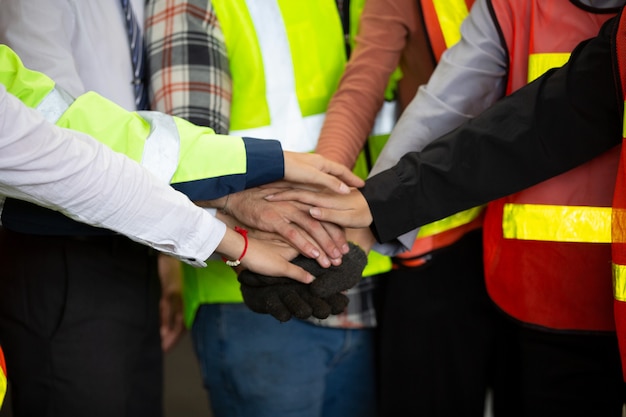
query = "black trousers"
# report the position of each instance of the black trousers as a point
(443, 342)
(437, 330)
(79, 324)
(546, 373)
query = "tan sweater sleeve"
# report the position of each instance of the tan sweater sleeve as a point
(384, 30)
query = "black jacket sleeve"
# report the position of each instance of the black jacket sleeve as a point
(554, 124)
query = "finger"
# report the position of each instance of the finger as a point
(325, 180)
(265, 301)
(297, 305)
(302, 226)
(327, 284)
(276, 308)
(343, 173)
(345, 218)
(338, 235)
(280, 186)
(295, 272)
(319, 308)
(170, 338)
(304, 243)
(311, 198)
(315, 169)
(338, 303)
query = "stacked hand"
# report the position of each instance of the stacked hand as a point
(284, 298)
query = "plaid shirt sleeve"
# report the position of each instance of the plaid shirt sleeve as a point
(187, 62)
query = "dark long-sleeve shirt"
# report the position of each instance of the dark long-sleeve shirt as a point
(554, 124)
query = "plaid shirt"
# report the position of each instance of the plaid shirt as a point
(190, 78)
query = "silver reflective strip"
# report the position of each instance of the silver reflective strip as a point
(162, 148)
(295, 132)
(54, 105)
(386, 118)
(303, 140)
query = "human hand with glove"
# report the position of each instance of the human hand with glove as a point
(285, 298)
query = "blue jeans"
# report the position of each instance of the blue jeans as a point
(254, 366)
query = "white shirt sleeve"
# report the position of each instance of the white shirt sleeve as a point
(73, 173)
(469, 78)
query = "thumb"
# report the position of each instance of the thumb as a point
(297, 273)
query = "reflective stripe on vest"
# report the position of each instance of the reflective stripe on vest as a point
(539, 63)
(557, 223)
(619, 282)
(553, 223)
(443, 20)
(162, 145)
(271, 99)
(618, 224)
(456, 220)
(54, 105)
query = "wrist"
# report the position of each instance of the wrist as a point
(237, 261)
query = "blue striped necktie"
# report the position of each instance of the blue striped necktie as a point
(137, 54)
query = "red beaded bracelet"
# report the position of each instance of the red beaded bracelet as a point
(243, 232)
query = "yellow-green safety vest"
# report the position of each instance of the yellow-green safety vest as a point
(285, 102)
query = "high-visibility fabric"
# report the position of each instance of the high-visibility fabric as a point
(443, 20)
(271, 99)
(618, 224)
(546, 248)
(575, 223)
(128, 133)
(444, 237)
(125, 133)
(3, 378)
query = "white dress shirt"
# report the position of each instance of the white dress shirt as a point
(73, 173)
(81, 44)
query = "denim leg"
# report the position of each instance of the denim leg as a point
(350, 382)
(254, 366)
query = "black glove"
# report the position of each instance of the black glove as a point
(283, 297)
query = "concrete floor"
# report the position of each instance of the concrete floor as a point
(184, 394)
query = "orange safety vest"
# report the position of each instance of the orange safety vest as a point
(618, 221)
(546, 249)
(3, 377)
(442, 21)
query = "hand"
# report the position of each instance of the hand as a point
(308, 168)
(290, 220)
(348, 210)
(284, 298)
(263, 256)
(171, 303)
